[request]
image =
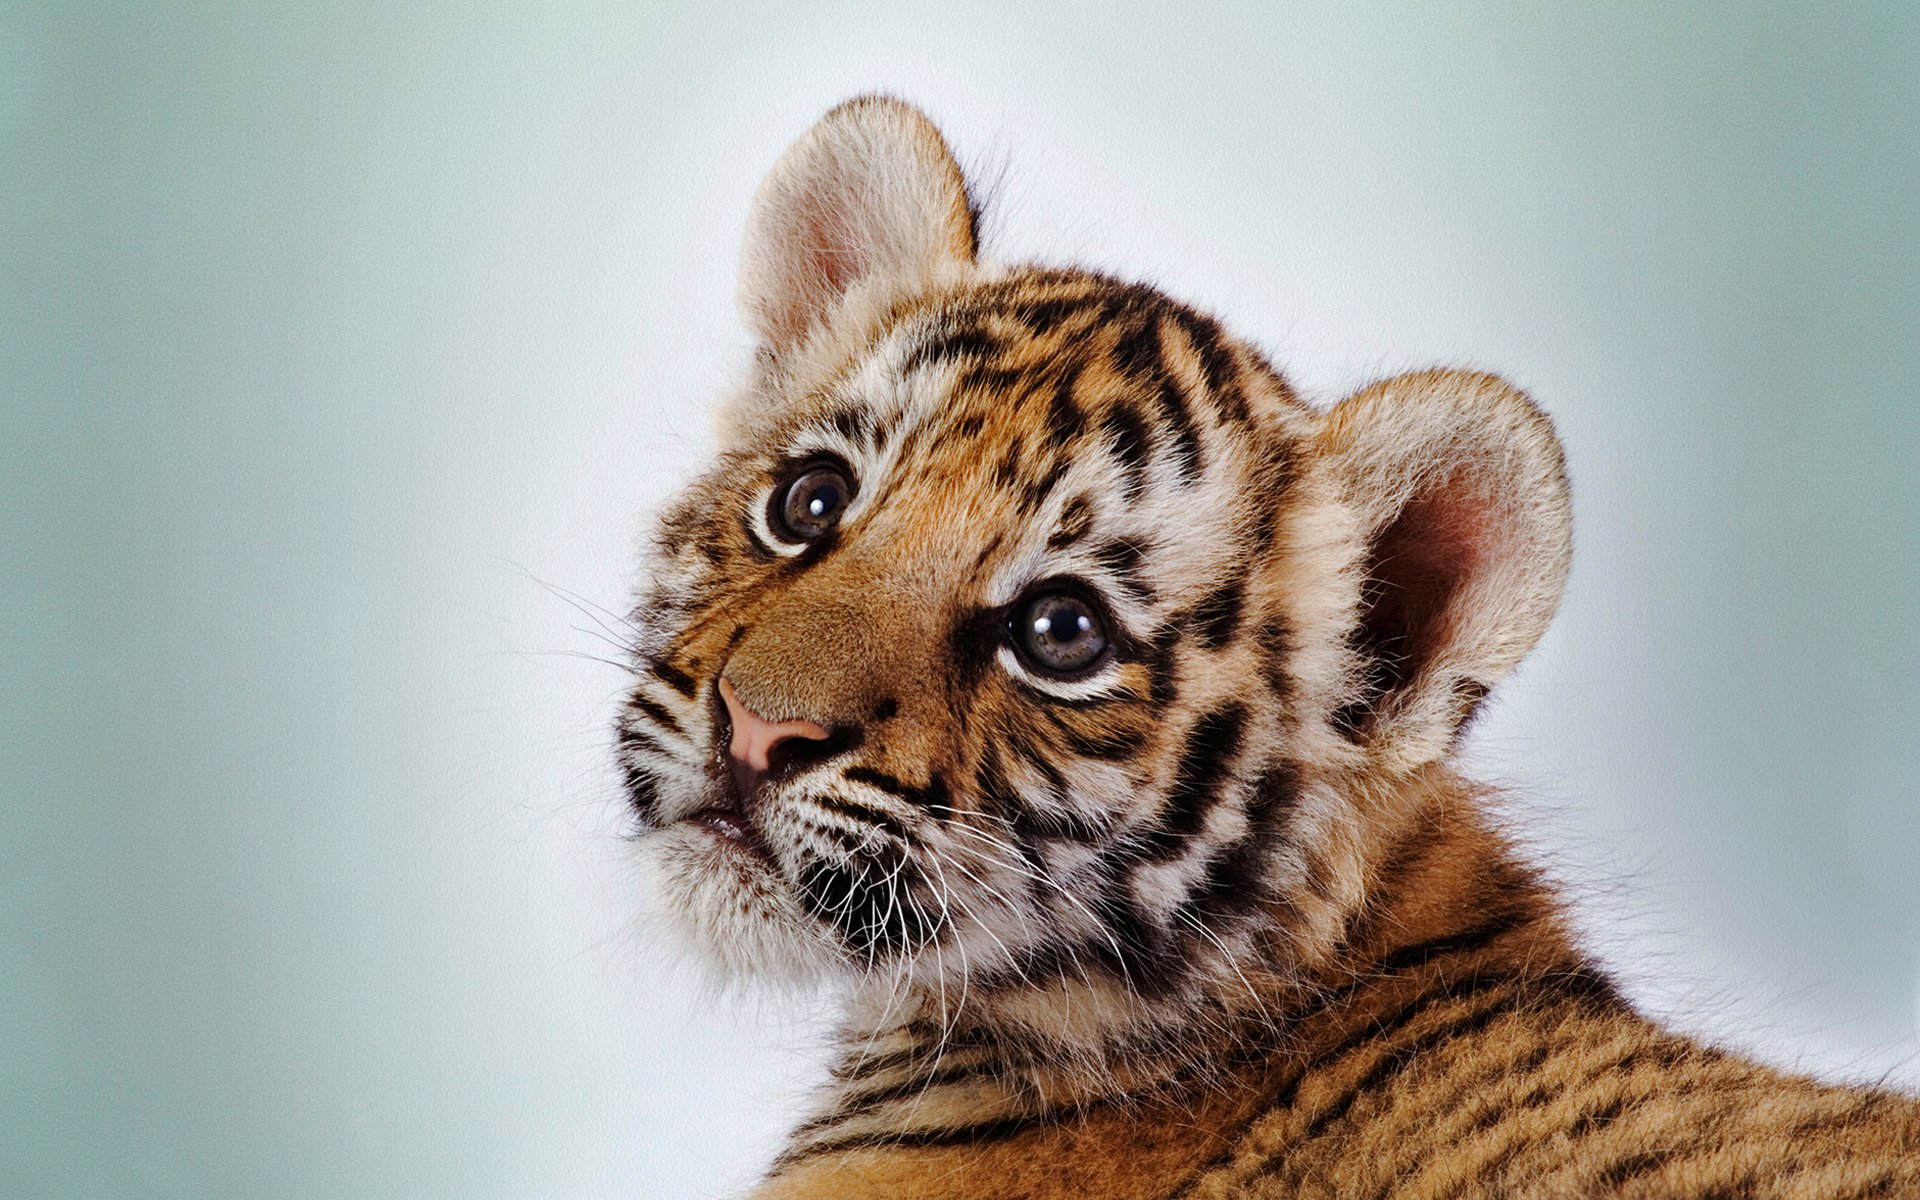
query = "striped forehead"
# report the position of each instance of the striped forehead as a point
(1050, 437)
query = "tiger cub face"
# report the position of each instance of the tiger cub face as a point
(1029, 643)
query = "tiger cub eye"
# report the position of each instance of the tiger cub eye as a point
(1058, 633)
(810, 503)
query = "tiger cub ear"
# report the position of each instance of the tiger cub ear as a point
(1461, 493)
(869, 198)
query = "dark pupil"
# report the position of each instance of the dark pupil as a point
(814, 501)
(1061, 633)
(1053, 626)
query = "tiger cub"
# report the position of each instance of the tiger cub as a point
(1035, 662)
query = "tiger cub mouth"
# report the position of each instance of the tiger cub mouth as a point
(740, 787)
(728, 823)
(727, 818)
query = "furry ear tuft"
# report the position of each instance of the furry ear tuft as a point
(869, 198)
(1461, 492)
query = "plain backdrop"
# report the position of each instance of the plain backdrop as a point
(344, 350)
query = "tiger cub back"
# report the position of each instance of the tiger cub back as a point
(1033, 661)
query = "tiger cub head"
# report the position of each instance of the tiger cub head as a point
(1029, 642)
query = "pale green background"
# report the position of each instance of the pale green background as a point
(321, 327)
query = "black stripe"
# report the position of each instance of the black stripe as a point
(1477, 1079)
(1186, 436)
(1136, 351)
(1122, 560)
(1092, 703)
(1404, 1054)
(643, 792)
(911, 1088)
(1275, 380)
(1042, 317)
(680, 525)
(1664, 1056)
(933, 794)
(673, 677)
(1216, 362)
(1141, 953)
(1588, 984)
(999, 1129)
(1396, 1058)
(1217, 618)
(938, 1041)
(1137, 354)
(1159, 660)
(971, 644)
(853, 810)
(1590, 1120)
(630, 737)
(1465, 941)
(1007, 471)
(817, 549)
(1368, 1032)
(997, 382)
(1007, 812)
(1235, 881)
(1064, 417)
(1581, 1125)
(1273, 795)
(1028, 823)
(991, 789)
(1542, 1093)
(1385, 646)
(1456, 989)
(1128, 949)
(847, 840)
(1395, 874)
(962, 342)
(1035, 493)
(1204, 767)
(1276, 645)
(655, 712)
(854, 424)
(1276, 473)
(1076, 518)
(1260, 536)
(1037, 758)
(1127, 438)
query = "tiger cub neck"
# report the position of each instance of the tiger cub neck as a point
(1442, 912)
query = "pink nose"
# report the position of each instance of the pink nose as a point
(754, 737)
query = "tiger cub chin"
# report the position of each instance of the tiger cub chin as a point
(1034, 661)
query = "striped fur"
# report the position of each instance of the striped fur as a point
(1215, 917)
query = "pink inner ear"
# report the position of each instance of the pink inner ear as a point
(1417, 565)
(820, 255)
(832, 250)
